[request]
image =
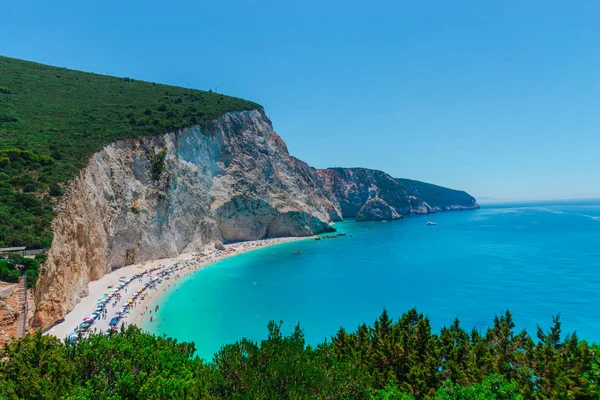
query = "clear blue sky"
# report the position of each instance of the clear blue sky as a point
(499, 98)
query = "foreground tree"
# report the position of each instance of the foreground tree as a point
(283, 368)
(399, 359)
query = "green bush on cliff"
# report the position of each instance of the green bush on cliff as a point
(158, 163)
(53, 119)
(399, 359)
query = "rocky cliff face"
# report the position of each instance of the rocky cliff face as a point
(232, 180)
(370, 195)
(165, 195)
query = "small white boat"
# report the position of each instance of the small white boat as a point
(431, 223)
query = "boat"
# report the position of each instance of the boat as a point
(431, 223)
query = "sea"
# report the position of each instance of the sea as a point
(537, 260)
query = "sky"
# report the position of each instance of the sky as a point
(498, 98)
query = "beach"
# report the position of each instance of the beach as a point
(139, 309)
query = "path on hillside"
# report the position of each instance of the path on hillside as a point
(22, 304)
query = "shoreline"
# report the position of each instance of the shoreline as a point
(190, 263)
(154, 297)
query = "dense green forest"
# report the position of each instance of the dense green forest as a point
(53, 119)
(401, 359)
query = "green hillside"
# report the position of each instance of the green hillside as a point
(52, 119)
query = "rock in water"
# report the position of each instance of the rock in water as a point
(377, 209)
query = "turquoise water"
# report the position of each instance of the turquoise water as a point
(537, 260)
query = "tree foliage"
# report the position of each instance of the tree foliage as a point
(8, 273)
(399, 359)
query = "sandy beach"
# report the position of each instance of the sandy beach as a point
(180, 266)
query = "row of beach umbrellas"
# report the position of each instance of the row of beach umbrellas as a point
(87, 322)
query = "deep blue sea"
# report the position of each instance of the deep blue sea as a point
(535, 259)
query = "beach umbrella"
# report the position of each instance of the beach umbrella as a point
(100, 298)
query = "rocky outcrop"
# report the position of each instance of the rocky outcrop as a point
(181, 192)
(9, 311)
(376, 209)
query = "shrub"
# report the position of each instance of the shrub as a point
(55, 190)
(158, 163)
(8, 273)
(31, 278)
(30, 264)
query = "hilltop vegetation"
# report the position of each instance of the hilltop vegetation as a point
(399, 359)
(53, 119)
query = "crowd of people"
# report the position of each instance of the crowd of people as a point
(149, 279)
(131, 291)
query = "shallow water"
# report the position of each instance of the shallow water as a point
(537, 260)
